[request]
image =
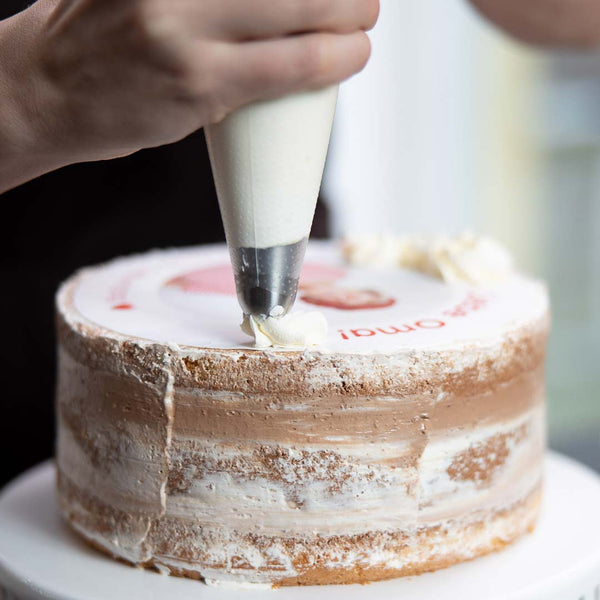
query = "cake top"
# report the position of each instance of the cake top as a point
(187, 297)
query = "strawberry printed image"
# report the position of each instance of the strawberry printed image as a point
(219, 279)
(317, 286)
(329, 295)
(211, 280)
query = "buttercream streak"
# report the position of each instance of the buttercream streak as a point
(228, 463)
(372, 496)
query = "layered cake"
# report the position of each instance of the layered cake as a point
(410, 439)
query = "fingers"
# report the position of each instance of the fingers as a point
(267, 69)
(216, 75)
(237, 20)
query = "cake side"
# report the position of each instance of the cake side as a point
(298, 467)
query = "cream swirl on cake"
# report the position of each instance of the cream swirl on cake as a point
(410, 439)
(465, 258)
(295, 330)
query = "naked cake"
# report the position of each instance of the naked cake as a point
(411, 439)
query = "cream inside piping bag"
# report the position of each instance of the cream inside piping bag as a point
(267, 160)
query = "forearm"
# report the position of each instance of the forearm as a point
(26, 148)
(558, 23)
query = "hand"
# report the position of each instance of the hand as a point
(567, 23)
(103, 78)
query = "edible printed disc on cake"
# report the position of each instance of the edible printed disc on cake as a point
(187, 297)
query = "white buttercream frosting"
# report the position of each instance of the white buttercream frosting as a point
(299, 329)
(205, 500)
(268, 160)
(465, 258)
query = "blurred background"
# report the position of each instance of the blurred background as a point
(452, 126)
(475, 131)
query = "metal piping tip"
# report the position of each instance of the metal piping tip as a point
(266, 279)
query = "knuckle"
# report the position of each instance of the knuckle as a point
(155, 25)
(196, 75)
(143, 19)
(307, 62)
(314, 60)
(312, 11)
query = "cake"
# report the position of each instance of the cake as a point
(411, 439)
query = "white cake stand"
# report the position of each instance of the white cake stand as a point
(41, 559)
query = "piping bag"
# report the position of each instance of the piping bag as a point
(267, 160)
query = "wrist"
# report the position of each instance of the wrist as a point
(28, 148)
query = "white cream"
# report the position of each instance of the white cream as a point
(268, 159)
(394, 497)
(466, 258)
(295, 330)
(372, 495)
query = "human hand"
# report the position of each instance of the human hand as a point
(566, 23)
(104, 78)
